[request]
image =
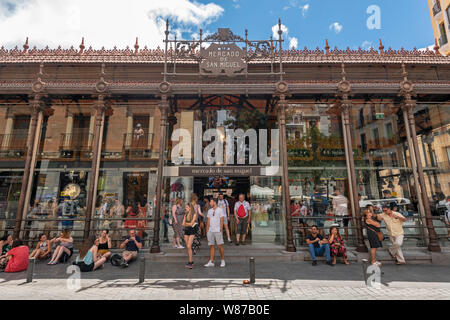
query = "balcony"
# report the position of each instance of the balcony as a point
(13, 145)
(437, 8)
(381, 143)
(139, 147)
(80, 144)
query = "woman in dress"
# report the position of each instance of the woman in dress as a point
(43, 248)
(177, 220)
(372, 227)
(337, 248)
(205, 209)
(190, 225)
(132, 211)
(197, 208)
(142, 224)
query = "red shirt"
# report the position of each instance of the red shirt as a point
(19, 259)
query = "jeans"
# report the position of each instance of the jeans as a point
(323, 249)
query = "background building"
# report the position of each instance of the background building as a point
(440, 20)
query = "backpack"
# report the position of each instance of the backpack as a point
(116, 260)
(241, 211)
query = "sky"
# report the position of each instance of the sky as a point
(307, 23)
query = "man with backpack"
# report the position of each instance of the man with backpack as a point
(242, 213)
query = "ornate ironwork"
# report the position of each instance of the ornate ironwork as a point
(222, 40)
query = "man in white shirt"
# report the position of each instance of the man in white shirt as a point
(340, 208)
(223, 204)
(242, 213)
(214, 229)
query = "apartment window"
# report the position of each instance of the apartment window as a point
(443, 40)
(448, 16)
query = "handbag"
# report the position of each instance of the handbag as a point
(379, 234)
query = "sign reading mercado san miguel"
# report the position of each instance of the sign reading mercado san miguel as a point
(223, 59)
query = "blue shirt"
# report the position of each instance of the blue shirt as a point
(131, 245)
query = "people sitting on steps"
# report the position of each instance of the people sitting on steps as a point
(132, 245)
(318, 246)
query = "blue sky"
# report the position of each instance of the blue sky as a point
(109, 23)
(404, 23)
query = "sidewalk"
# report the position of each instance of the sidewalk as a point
(280, 280)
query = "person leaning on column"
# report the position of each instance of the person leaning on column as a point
(394, 229)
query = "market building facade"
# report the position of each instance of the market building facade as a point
(86, 133)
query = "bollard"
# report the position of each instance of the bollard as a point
(365, 266)
(142, 269)
(30, 270)
(252, 270)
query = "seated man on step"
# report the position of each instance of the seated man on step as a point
(318, 246)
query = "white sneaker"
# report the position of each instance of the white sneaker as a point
(209, 264)
(222, 264)
(180, 247)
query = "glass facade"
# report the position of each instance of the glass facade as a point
(126, 181)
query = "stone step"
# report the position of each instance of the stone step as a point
(229, 256)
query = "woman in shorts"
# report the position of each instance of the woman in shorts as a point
(104, 244)
(190, 226)
(43, 248)
(64, 250)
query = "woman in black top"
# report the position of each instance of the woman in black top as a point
(372, 227)
(104, 244)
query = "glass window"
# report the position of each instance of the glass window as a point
(317, 168)
(127, 179)
(60, 188)
(14, 127)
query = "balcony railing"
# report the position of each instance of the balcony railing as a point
(437, 8)
(13, 141)
(139, 146)
(13, 145)
(76, 142)
(380, 143)
(134, 142)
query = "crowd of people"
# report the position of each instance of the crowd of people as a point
(210, 218)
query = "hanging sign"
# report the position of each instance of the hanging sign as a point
(223, 59)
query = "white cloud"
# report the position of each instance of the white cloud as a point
(336, 27)
(236, 4)
(367, 45)
(106, 23)
(431, 48)
(305, 9)
(293, 43)
(275, 29)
